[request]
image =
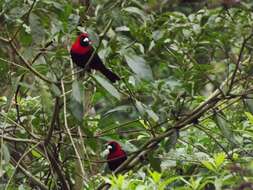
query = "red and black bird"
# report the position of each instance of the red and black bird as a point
(116, 155)
(82, 50)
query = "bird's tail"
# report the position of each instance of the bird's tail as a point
(98, 65)
(109, 74)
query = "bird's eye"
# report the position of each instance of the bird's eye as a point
(86, 39)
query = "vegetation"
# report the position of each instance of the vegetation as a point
(183, 109)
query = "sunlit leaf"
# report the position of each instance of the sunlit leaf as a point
(208, 165)
(249, 116)
(36, 154)
(152, 115)
(219, 159)
(168, 181)
(155, 176)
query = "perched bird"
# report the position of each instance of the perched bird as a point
(116, 155)
(82, 50)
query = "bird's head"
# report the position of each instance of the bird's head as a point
(115, 155)
(112, 147)
(84, 40)
(82, 44)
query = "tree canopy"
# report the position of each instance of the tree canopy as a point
(183, 109)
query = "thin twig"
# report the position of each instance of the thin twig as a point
(56, 167)
(31, 177)
(53, 120)
(28, 65)
(18, 163)
(26, 16)
(68, 131)
(19, 140)
(215, 140)
(239, 61)
(203, 107)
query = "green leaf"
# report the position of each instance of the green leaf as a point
(128, 147)
(37, 30)
(92, 143)
(55, 90)
(140, 107)
(218, 183)
(168, 181)
(225, 128)
(123, 108)
(152, 115)
(36, 154)
(208, 165)
(25, 38)
(46, 98)
(250, 117)
(139, 66)
(143, 123)
(6, 154)
(155, 163)
(76, 101)
(249, 103)
(21, 187)
(77, 92)
(155, 176)
(219, 159)
(122, 28)
(137, 11)
(107, 86)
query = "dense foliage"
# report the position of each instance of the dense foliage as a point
(183, 110)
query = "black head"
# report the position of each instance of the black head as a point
(84, 41)
(113, 146)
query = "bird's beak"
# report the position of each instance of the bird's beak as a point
(107, 150)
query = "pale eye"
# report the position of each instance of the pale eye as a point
(86, 39)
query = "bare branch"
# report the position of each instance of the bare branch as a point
(239, 61)
(31, 176)
(54, 118)
(68, 131)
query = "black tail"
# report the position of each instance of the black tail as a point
(109, 74)
(97, 64)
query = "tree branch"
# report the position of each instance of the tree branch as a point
(31, 176)
(53, 120)
(239, 61)
(149, 146)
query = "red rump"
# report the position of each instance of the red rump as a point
(116, 155)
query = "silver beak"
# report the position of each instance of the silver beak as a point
(106, 151)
